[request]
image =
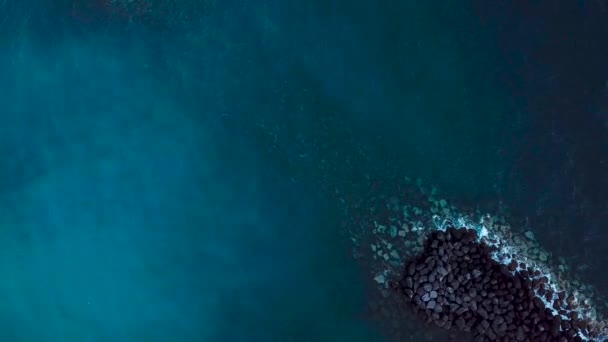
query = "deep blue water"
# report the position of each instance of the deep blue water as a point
(160, 172)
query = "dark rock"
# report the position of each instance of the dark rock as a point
(520, 335)
(458, 284)
(538, 303)
(409, 293)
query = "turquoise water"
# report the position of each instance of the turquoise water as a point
(160, 172)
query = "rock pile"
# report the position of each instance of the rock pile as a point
(456, 284)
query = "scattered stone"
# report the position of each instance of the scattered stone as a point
(393, 231)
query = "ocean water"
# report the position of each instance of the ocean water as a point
(187, 171)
